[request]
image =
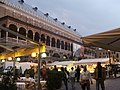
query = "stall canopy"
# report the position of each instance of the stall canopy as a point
(63, 63)
(92, 61)
(109, 40)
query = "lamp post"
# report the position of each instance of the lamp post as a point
(39, 65)
(14, 60)
(33, 55)
(41, 49)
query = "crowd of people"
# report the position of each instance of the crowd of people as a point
(74, 75)
(84, 78)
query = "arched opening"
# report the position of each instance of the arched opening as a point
(43, 38)
(65, 45)
(22, 31)
(53, 42)
(13, 28)
(56, 55)
(49, 61)
(3, 33)
(58, 43)
(30, 34)
(62, 44)
(71, 47)
(48, 41)
(117, 55)
(37, 37)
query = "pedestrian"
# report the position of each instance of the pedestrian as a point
(109, 69)
(31, 72)
(72, 77)
(55, 68)
(115, 71)
(66, 71)
(20, 71)
(99, 76)
(78, 73)
(64, 78)
(85, 79)
(44, 73)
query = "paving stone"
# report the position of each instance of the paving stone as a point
(110, 84)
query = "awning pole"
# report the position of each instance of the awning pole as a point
(39, 66)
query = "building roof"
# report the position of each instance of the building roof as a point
(36, 13)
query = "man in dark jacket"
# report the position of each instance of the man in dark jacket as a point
(78, 73)
(99, 76)
(64, 78)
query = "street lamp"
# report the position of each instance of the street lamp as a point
(34, 54)
(9, 58)
(43, 55)
(18, 59)
(3, 61)
(41, 49)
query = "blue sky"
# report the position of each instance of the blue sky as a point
(87, 16)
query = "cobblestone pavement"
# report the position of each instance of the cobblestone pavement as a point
(110, 84)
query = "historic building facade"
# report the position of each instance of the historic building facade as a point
(114, 56)
(90, 52)
(30, 22)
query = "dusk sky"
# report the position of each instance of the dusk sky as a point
(87, 16)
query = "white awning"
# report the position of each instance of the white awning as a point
(92, 61)
(63, 63)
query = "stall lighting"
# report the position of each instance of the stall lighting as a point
(18, 59)
(43, 55)
(33, 54)
(3, 60)
(10, 58)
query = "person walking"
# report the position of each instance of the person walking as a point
(64, 78)
(99, 76)
(85, 79)
(78, 73)
(55, 68)
(72, 77)
(20, 71)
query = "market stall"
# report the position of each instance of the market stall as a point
(67, 64)
(26, 65)
(91, 63)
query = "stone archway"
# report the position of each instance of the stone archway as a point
(56, 55)
(13, 28)
(30, 34)
(37, 37)
(22, 31)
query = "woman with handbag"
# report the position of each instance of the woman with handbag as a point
(85, 79)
